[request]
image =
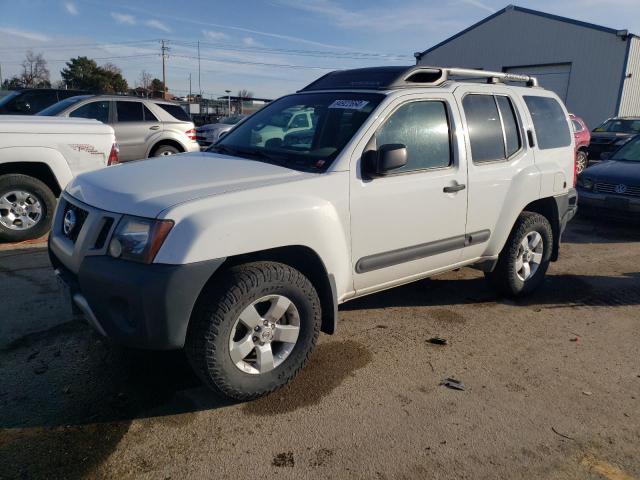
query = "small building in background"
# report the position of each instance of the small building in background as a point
(595, 70)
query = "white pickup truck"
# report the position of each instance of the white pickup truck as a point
(38, 157)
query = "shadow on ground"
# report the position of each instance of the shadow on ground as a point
(586, 229)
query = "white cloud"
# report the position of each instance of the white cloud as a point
(157, 24)
(124, 18)
(71, 8)
(213, 35)
(480, 5)
(250, 42)
(14, 32)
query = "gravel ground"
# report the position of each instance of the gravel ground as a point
(552, 385)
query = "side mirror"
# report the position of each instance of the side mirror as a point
(605, 155)
(386, 158)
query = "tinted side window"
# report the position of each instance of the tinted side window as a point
(175, 111)
(129, 112)
(485, 130)
(33, 102)
(576, 126)
(148, 116)
(550, 122)
(424, 128)
(510, 121)
(96, 110)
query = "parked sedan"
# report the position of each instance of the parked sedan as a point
(612, 188)
(612, 134)
(210, 133)
(582, 138)
(144, 127)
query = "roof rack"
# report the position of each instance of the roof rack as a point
(384, 78)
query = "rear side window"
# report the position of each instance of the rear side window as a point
(148, 116)
(510, 123)
(423, 127)
(550, 122)
(129, 112)
(485, 129)
(175, 111)
(96, 110)
(576, 126)
(493, 128)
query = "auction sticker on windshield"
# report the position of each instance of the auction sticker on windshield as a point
(350, 104)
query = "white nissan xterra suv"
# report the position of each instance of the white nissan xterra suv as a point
(242, 254)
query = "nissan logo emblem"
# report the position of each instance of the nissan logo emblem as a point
(69, 222)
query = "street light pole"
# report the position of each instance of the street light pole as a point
(228, 92)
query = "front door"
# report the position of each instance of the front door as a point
(411, 221)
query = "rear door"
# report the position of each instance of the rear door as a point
(502, 170)
(408, 223)
(132, 129)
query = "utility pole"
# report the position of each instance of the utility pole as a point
(199, 79)
(164, 50)
(190, 97)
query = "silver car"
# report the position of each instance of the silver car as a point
(144, 127)
(210, 133)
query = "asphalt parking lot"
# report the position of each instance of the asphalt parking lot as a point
(552, 384)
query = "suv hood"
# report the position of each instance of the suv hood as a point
(612, 171)
(147, 187)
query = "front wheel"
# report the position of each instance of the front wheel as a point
(582, 161)
(26, 208)
(164, 150)
(524, 260)
(253, 329)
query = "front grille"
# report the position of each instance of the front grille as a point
(614, 188)
(80, 217)
(104, 232)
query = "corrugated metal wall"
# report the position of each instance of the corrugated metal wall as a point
(630, 103)
(520, 39)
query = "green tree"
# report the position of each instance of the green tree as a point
(12, 83)
(157, 87)
(83, 73)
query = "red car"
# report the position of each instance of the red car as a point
(582, 136)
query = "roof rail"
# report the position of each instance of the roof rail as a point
(383, 78)
(491, 76)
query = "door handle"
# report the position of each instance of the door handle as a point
(454, 188)
(155, 127)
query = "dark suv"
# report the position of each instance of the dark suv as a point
(612, 134)
(30, 101)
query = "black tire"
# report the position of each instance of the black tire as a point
(218, 308)
(166, 150)
(504, 277)
(39, 191)
(582, 161)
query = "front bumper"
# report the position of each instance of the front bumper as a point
(622, 207)
(134, 304)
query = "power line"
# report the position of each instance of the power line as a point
(93, 58)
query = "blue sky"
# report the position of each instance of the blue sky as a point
(268, 47)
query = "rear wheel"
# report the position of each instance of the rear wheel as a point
(164, 150)
(524, 260)
(26, 208)
(582, 161)
(253, 329)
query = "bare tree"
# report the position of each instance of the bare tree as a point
(111, 68)
(244, 95)
(144, 82)
(34, 71)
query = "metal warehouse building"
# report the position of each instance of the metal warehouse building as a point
(594, 69)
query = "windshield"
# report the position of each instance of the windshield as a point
(304, 131)
(56, 108)
(231, 120)
(630, 152)
(620, 126)
(7, 98)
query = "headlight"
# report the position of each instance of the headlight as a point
(585, 183)
(139, 239)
